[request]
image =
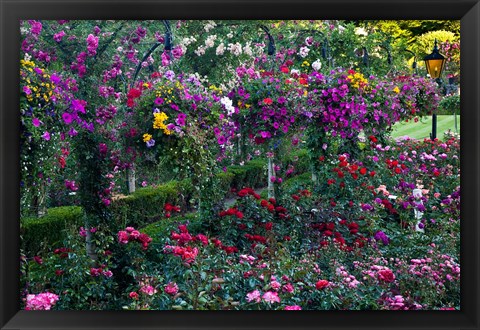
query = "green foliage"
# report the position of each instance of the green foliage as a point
(67, 271)
(300, 159)
(302, 181)
(161, 229)
(48, 231)
(145, 205)
(449, 105)
(424, 43)
(252, 174)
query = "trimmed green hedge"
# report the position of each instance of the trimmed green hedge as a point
(301, 181)
(253, 174)
(145, 205)
(49, 230)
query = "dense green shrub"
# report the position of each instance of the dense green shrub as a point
(48, 231)
(299, 159)
(145, 205)
(449, 105)
(161, 229)
(302, 181)
(252, 174)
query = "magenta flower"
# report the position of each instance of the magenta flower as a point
(148, 290)
(254, 296)
(82, 232)
(46, 136)
(67, 118)
(59, 36)
(221, 140)
(92, 45)
(41, 301)
(171, 288)
(293, 308)
(27, 90)
(36, 122)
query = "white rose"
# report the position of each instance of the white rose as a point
(304, 51)
(220, 49)
(317, 65)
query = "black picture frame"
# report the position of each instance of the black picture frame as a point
(11, 11)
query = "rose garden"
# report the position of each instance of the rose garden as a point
(228, 165)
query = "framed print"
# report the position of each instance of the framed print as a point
(239, 164)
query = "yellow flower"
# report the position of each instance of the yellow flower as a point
(305, 63)
(396, 89)
(147, 137)
(305, 93)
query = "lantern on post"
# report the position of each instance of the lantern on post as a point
(434, 63)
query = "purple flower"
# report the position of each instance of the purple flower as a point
(265, 135)
(55, 79)
(70, 185)
(420, 207)
(92, 44)
(27, 90)
(72, 132)
(177, 52)
(150, 143)
(381, 236)
(59, 36)
(367, 207)
(221, 140)
(67, 118)
(46, 136)
(36, 122)
(36, 27)
(78, 105)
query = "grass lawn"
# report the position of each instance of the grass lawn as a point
(422, 129)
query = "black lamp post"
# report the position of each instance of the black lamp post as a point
(435, 63)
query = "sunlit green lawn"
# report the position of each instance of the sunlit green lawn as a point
(423, 127)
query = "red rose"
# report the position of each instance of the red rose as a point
(321, 284)
(363, 171)
(386, 275)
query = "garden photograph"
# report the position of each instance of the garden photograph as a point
(239, 165)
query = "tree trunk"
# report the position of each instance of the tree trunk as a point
(131, 179)
(90, 245)
(41, 207)
(271, 173)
